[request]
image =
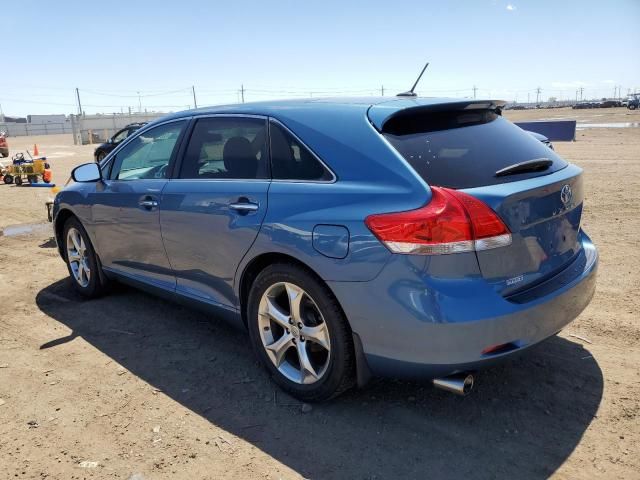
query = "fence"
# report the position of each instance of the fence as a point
(29, 129)
(98, 128)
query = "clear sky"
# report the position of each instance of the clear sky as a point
(111, 50)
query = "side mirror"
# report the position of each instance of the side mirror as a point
(89, 172)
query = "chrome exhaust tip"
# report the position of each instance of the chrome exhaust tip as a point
(460, 384)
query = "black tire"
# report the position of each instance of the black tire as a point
(97, 284)
(32, 178)
(17, 180)
(631, 107)
(8, 179)
(339, 375)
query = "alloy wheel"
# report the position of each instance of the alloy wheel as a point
(294, 333)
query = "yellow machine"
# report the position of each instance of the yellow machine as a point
(32, 170)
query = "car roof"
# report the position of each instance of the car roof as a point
(378, 109)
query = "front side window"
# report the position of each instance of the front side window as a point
(291, 160)
(148, 155)
(227, 148)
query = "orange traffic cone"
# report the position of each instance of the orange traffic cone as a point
(35, 150)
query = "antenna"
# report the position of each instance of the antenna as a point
(411, 92)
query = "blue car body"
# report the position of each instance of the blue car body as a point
(411, 315)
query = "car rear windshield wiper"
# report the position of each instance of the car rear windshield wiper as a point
(535, 165)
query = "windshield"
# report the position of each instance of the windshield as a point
(465, 149)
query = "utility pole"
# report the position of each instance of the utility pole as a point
(195, 104)
(139, 103)
(475, 89)
(537, 95)
(581, 91)
(382, 90)
(242, 92)
(528, 98)
(79, 104)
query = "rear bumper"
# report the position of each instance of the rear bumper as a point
(415, 325)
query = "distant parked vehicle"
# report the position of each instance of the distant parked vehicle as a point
(633, 103)
(582, 105)
(624, 102)
(4, 146)
(105, 148)
(609, 104)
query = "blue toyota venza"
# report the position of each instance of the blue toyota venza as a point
(403, 237)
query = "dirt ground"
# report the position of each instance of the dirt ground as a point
(133, 387)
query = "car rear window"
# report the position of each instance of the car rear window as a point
(465, 149)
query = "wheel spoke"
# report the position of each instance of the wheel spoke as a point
(276, 314)
(79, 271)
(85, 268)
(278, 349)
(317, 334)
(82, 246)
(295, 295)
(306, 369)
(74, 239)
(73, 256)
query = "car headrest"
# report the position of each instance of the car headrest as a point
(239, 159)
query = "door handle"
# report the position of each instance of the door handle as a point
(148, 203)
(244, 207)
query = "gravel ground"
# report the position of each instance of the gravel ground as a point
(133, 387)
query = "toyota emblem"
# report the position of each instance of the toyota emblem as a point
(566, 195)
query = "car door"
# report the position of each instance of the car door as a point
(212, 212)
(126, 206)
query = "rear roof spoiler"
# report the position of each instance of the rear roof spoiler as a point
(379, 114)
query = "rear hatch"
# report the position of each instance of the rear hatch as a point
(471, 147)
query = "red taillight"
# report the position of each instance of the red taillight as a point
(451, 222)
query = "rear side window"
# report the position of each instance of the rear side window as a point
(291, 160)
(465, 149)
(227, 148)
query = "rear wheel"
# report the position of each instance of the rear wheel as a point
(18, 180)
(32, 178)
(82, 262)
(300, 334)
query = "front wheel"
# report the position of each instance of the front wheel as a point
(82, 262)
(300, 334)
(8, 179)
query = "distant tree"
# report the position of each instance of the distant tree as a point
(553, 99)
